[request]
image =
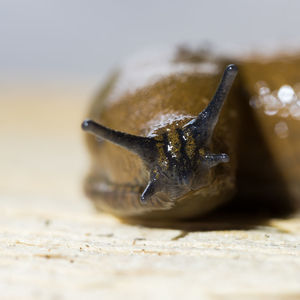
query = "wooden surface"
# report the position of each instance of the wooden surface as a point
(53, 245)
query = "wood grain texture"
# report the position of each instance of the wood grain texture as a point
(53, 245)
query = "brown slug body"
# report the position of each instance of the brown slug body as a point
(273, 89)
(168, 147)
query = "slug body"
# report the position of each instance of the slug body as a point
(167, 148)
(166, 144)
(272, 86)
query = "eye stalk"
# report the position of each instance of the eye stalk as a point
(175, 179)
(206, 121)
(142, 146)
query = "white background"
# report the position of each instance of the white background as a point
(73, 39)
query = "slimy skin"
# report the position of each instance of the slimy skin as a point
(272, 85)
(166, 149)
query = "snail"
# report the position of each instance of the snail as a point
(178, 138)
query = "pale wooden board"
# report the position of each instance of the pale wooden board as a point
(55, 246)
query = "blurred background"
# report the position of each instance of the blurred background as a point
(81, 40)
(54, 55)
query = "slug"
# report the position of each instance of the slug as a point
(174, 140)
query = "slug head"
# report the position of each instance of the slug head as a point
(179, 160)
